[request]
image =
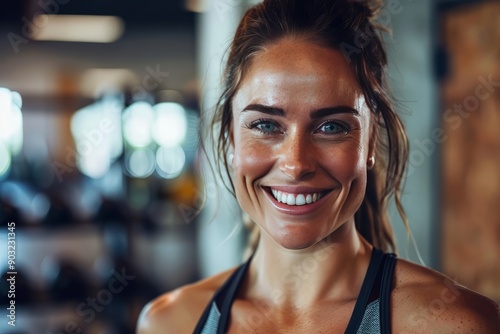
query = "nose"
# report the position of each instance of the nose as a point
(297, 157)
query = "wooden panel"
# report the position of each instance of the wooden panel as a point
(471, 151)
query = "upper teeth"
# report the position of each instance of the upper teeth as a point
(295, 199)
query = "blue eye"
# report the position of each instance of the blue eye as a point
(264, 126)
(333, 128)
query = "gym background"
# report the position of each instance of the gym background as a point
(107, 198)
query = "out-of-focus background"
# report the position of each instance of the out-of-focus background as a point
(100, 193)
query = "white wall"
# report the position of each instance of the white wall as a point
(410, 68)
(220, 232)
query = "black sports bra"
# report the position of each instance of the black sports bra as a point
(371, 314)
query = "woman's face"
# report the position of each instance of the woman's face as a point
(301, 136)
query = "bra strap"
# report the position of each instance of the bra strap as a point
(385, 293)
(203, 320)
(227, 302)
(364, 294)
(221, 297)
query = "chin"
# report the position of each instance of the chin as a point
(296, 237)
(303, 235)
(294, 243)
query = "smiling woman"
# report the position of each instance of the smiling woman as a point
(300, 129)
(317, 150)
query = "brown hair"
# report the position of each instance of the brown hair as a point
(347, 26)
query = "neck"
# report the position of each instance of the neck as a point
(332, 269)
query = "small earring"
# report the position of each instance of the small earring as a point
(230, 158)
(371, 162)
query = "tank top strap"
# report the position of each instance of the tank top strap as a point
(376, 260)
(223, 299)
(227, 302)
(385, 293)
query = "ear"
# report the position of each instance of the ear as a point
(230, 148)
(230, 136)
(372, 146)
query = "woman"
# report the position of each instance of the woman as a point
(314, 149)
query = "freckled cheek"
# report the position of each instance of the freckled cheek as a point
(344, 165)
(251, 162)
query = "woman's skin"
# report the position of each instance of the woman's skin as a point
(301, 126)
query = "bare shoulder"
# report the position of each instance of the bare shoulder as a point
(424, 301)
(178, 311)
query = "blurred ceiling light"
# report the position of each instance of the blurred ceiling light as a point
(141, 163)
(138, 119)
(112, 107)
(78, 28)
(170, 161)
(11, 120)
(96, 130)
(5, 160)
(192, 139)
(170, 125)
(94, 165)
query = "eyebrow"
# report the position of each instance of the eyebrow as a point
(317, 113)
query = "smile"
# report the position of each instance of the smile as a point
(296, 199)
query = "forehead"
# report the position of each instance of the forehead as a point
(294, 73)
